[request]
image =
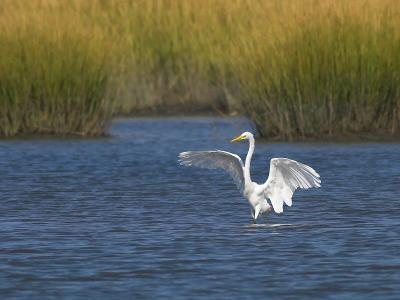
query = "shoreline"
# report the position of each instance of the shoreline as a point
(364, 137)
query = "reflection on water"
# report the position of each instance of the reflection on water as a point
(118, 218)
(273, 225)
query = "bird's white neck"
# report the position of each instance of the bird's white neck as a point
(249, 155)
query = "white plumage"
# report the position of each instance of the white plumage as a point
(216, 160)
(285, 176)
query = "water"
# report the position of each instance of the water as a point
(118, 218)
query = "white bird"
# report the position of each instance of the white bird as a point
(285, 176)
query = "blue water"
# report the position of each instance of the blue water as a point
(118, 218)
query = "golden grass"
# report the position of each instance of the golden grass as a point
(296, 68)
(53, 74)
(332, 67)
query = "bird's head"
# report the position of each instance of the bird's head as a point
(244, 136)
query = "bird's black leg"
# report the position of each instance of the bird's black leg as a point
(252, 214)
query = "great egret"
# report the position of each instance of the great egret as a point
(285, 176)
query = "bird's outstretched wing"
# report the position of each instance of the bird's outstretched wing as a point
(215, 160)
(285, 176)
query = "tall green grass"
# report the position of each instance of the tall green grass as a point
(53, 76)
(296, 68)
(334, 70)
(171, 52)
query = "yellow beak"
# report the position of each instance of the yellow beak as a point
(237, 139)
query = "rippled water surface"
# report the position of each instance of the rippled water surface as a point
(118, 218)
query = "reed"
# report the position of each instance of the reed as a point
(331, 68)
(171, 53)
(53, 74)
(296, 68)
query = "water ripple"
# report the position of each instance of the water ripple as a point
(118, 218)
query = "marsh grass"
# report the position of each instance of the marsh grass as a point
(296, 68)
(334, 70)
(53, 77)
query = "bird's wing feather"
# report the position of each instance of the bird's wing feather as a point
(216, 160)
(285, 176)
